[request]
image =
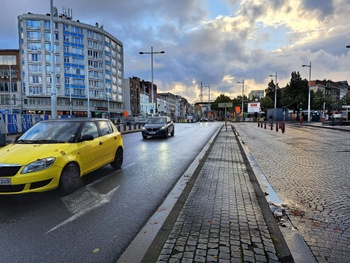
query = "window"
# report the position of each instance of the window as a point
(33, 24)
(34, 46)
(34, 57)
(90, 128)
(34, 68)
(105, 127)
(34, 79)
(47, 36)
(33, 35)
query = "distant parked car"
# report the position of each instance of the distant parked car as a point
(203, 120)
(158, 126)
(57, 153)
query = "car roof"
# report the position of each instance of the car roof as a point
(83, 119)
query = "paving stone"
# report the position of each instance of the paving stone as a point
(221, 220)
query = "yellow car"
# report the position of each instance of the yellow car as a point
(57, 153)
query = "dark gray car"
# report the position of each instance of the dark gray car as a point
(158, 126)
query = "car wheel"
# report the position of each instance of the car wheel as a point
(118, 160)
(166, 133)
(173, 132)
(70, 179)
(144, 137)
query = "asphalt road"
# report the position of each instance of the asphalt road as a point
(98, 222)
(308, 169)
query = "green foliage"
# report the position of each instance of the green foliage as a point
(221, 98)
(346, 100)
(295, 94)
(266, 103)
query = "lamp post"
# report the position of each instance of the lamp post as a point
(309, 98)
(53, 75)
(109, 113)
(70, 100)
(242, 98)
(275, 88)
(152, 53)
(10, 75)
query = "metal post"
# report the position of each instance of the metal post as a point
(53, 77)
(70, 99)
(151, 53)
(309, 95)
(275, 89)
(10, 75)
(152, 107)
(242, 98)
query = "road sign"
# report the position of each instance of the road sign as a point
(225, 104)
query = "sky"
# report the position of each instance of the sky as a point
(212, 45)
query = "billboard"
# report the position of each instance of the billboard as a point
(254, 107)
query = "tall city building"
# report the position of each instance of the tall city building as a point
(88, 66)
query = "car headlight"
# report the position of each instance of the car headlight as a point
(163, 128)
(38, 165)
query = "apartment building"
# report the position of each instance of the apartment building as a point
(88, 66)
(10, 86)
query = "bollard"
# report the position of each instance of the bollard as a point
(265, 125)
(276, 126)
(283, 127)
(271, 125)
(258, 123)
(301, 120)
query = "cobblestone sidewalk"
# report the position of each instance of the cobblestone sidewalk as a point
(221, 220)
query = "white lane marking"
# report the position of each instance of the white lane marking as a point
(83, 201)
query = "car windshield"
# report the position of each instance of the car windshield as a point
(157, 121)
(50, 132)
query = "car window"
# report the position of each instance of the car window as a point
(54, 131)
(105, 127)
(157, 121)
(90, 128)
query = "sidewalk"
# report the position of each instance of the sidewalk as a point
(225, 217)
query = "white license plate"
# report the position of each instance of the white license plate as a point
(5, 181)
(152, 132)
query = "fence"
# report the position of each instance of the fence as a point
(19, 123)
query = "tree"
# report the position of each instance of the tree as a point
(318, 100)
(221, 98)
(346, 99)
(266, 103)
(295, 94)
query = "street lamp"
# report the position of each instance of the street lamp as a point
(53, 75)
(242, 98)
(309, 98)
(152, 53)
(70, 99)
(275, 89)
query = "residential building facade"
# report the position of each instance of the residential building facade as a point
(335, 89)
(88, 67)
(11, 100)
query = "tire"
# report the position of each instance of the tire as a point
(166, 134)
(144, 137)
(118, 160)
(70, 179)
(173, 132)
